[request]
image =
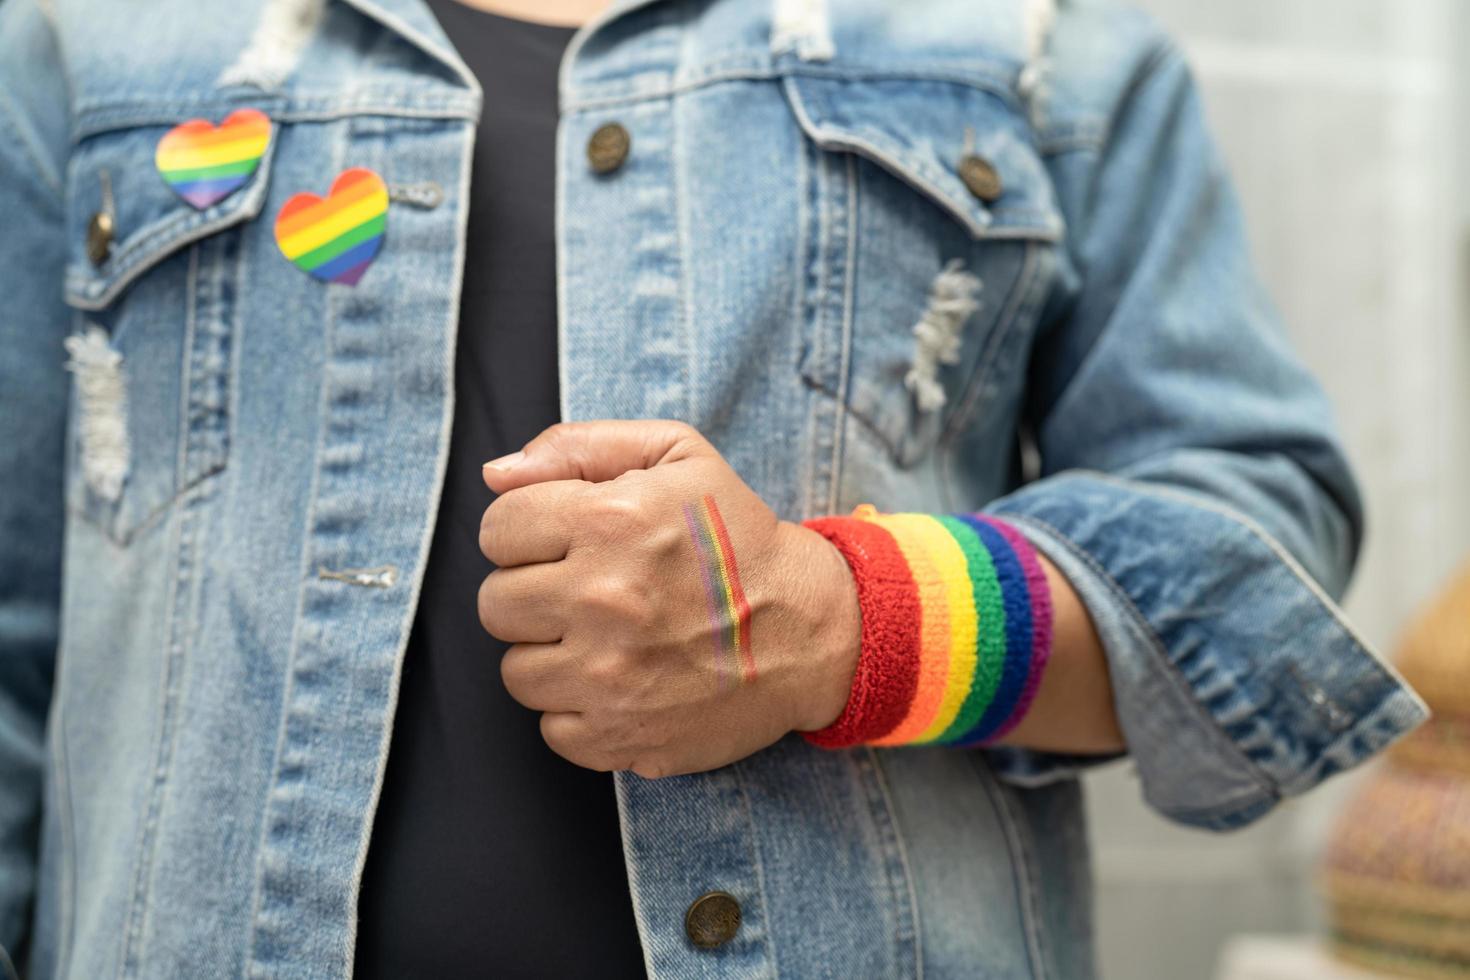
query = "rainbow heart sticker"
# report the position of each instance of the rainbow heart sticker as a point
(205, 163)
(336, 238)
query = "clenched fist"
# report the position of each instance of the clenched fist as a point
(662, 618)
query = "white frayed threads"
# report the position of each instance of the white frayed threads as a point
(802, 26)
(1038, 17)
(102, 395)
(937, 334)
(284, 30)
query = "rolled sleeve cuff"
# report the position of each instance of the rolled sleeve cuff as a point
(1237, 680)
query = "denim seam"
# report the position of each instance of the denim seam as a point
(820, 303)
(760, 869)
(125, 539)
(449, 57)
(826, 417)
(1156, 647)
(298, 616)
(162, 238)
(661, 85)
(799, 298)
(1035, 933)
(1282, 554)
(1088, 141)
(845, 364)
(236, 329)
(104, 117)
(681, 232)
(1367, 723)
(431, 511)
(881, 778)
(67, 820)
(1020, 289)
(912, 172)
(111, 524)
(186, 383)
(186, 555)
(1020, 869)
(630, 866)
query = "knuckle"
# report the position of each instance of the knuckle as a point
(650, 768)
(555, 737)
(511, 673)
(620, 510)
(504, 512)
(485, 603)
(607, 672)
(576, 748)
(617, 598)
(668, 540)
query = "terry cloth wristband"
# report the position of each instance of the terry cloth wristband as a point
(956, 628)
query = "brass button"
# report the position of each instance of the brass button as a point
(712, 919)
(99, 237)
(980, 177)
(608, 147)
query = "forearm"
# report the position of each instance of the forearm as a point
(1073, 711)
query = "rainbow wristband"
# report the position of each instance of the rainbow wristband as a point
(956, 628)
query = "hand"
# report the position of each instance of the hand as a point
(609, 588)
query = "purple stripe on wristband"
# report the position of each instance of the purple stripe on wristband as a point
(1041, 624)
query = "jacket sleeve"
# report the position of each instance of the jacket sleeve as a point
(33, 398)
(1192, 487)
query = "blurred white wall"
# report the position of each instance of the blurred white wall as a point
(1342, 124)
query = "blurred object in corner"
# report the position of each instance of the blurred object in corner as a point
(1396, 875)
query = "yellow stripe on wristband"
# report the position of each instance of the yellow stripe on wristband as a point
(934, 646)
(949, 624)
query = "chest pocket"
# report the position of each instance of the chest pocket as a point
(902, 231)
(152, 346)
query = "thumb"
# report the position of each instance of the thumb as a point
(595, 451)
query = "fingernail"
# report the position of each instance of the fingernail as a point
(504, 463)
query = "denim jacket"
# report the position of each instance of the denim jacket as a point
(221, 474)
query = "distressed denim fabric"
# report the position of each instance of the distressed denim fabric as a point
(221, 474)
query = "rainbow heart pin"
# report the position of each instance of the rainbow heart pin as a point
(336, 238)
(205, 163)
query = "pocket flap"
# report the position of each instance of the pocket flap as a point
(150, 221)
(920, 130)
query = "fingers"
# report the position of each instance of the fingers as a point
(542, 677)
(523, 605)
(567, 734)
(595, 451)
(531, 524)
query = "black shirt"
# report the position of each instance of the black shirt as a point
(491, 855)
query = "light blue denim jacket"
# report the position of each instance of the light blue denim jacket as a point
(221, 475)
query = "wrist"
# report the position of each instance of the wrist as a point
(955, 628)
(834, 644)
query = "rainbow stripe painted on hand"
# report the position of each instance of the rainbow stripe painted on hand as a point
(337, 237)
(729, 612)
(956, 628)
(205, 163)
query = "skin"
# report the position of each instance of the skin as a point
(560, 13)
(598, 590)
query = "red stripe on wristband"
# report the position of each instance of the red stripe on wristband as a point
(888, 665)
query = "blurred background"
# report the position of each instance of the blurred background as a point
(1343, 123)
